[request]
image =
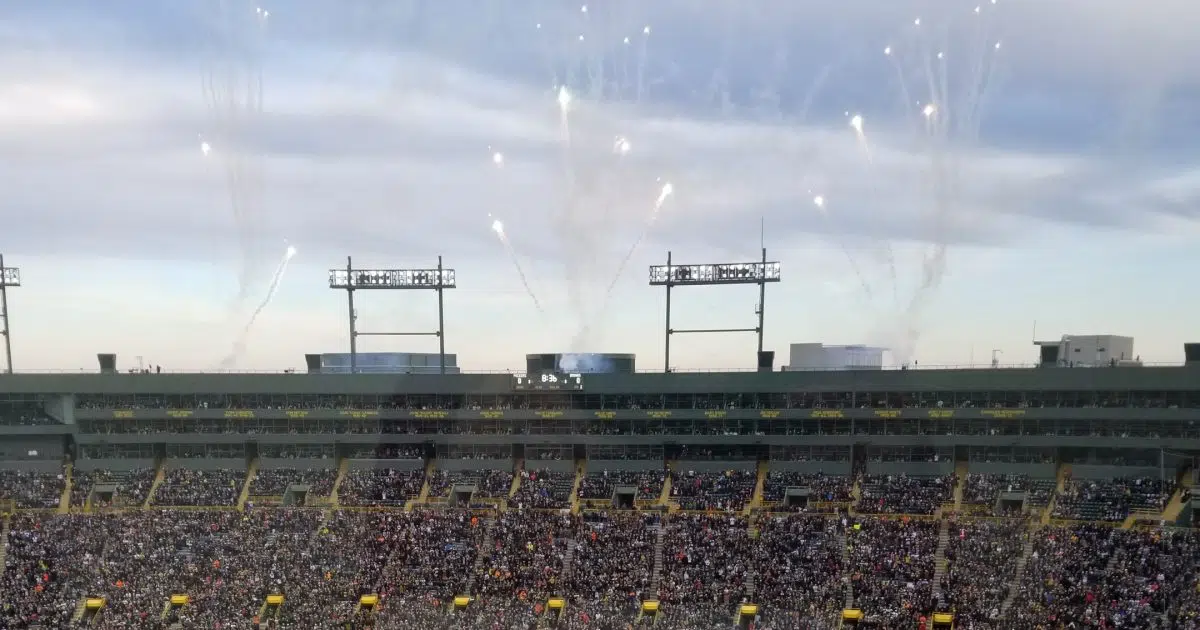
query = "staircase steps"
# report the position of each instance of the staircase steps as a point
(664, 497)
(485, 545)
(1014, 585)
(64, 501)
(160, 474)
(244, 495)
(764, 469)
(4, 529)
(580, 471)
(343, 468)
(961, 470)
(656, 576)
(518, 469)
(939, 559)
(848, 595)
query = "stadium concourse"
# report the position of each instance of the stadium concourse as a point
(389, 549)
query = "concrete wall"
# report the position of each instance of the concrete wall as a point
(18, 448)
(600, 465)
(710, 466)
(473, 464)
(1094, 471)
(1036, 471)
(297, 463)
(397, 464)
(197, 463)
(38, 466)
(829, 468)
(116, 465)
(555, 465)
(912, 469)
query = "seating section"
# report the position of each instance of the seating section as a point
(275, 481)
(492, 484)
(544, 489)
(730, 490)
(1111, 499)
(603, 484)
(900, 494)
(798, 561)
(184, 486)
(130, 488)
(31, 489)
(892, 569)
(825, 488)
(981, 564)
(380, 486)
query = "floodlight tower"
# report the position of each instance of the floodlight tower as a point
(670, 276)
(9, 277)
(350, 280)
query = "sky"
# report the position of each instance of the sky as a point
(1023, 169)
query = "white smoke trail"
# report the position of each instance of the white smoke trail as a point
(239, 346)
(233, 89)
(664, 193)
(819, 203)
(498, 228)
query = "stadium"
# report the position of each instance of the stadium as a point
(1047, 497)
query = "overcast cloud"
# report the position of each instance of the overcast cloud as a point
(381, 120)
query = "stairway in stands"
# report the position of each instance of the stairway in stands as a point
(660, 531)
(849, 590)
(1014, 584)
(961, 470)
(64, 501)
(343, 468)
(939, 559)
(568, 561)
(4, 541)
(488, 541)
(160, 474)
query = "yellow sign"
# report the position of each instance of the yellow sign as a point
(431, 415)
(179, 600)
(851, 614)
(239, 414)
(650, 606)
(94, 603)
(942, 618)
(179, 413)
(122, 414)
(713, 415)
(606, 415)
(1005, 414)
(274, 600)
(360, 414)
(549, 414)
(827, 413)
(491, 415)
(941, 413)
(368, 600)
(461, 601)
(658, 414)
(555, 603)
(749, 610)
(890, 414)
(769, 413)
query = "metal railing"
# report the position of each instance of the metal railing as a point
(521, 372)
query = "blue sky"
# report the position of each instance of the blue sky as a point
(1065, 193)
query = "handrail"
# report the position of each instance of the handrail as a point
(521, 372)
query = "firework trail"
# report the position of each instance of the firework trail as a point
(819, 202)
(239, 346)
(498, 228)
(665, 193)
(233, 89)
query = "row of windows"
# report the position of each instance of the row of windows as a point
(566, 400)
(654, 426)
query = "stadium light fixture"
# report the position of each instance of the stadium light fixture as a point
(9, 277)
(671, 275)
(432, 279)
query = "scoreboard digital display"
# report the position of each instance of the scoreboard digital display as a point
(548, 381)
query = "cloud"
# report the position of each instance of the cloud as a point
(376, 140)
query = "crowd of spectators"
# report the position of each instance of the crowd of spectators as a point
(729, 490)
(1111, 499)
(186, 486)
(602, 485)
(892, 568)
(525, 560)
(488, 483)
(130, 488)
(275, 481)
(824, 488)
(544, 489)
(981, 563)
(798, 564)
(985, 489)
(613, 560)
(901, 494)
(706, 560)
(380, 486)
(31, 489)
